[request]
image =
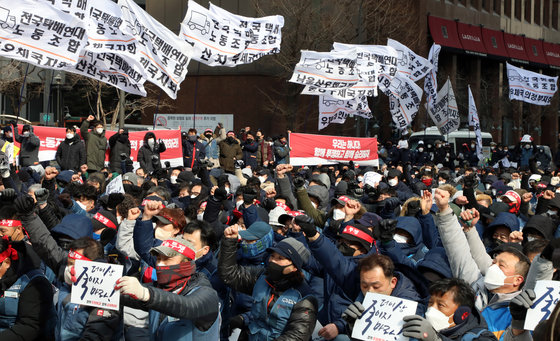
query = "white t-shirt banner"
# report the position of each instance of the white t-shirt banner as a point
(326, 70)
(445, 112)
(475, 122)
(547, 294)
(40, 34)
(530, 87)
(163, 55)
(95, 284)
(430, 82)
(382, 319)
(410, 64)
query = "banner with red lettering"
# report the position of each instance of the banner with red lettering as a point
(51, 137)
(308, 149)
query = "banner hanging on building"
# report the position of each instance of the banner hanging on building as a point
(40, 34)
(475, 123)
(445, 112)
(430, 82)
(410, 64)
(530, 87)
(308, 149)
(163, 55)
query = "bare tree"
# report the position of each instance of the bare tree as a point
(12, 76)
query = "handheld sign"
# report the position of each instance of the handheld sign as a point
(547, 294)
(95, 283)
(382, 319)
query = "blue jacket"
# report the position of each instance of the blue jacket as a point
(436, 260)
(526, 154)
(417, 250)
(498, 317)
(144, 240)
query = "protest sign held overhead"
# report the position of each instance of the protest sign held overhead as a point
(40, 34)
(308, 149)
(475, 123)
(163, 55)
(95, 284)
(530, 87)
(547, 295)
(445, 112)
(410, 64)
(382, 318)
(221, 38)
(430, 82)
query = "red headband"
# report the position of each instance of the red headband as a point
(182, 249)
(344, 198)
(283, 206)
(77, 256)
(351, 230)
(104, 220)
(10, 222)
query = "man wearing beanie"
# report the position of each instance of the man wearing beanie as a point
(283, 305)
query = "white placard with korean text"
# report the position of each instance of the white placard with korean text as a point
(547, 294)
(95, 284)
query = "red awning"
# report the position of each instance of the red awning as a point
(471, 38)
(494, 42)
(444, 32)
(552, 53)
(534, 50)
(515, 46)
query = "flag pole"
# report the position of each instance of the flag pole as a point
(21, 92)
(157, 108)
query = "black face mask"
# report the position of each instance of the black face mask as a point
(192, 138)
(249, 140)
(274, 272)
(345, 249)
(208, 136)
(230, 139)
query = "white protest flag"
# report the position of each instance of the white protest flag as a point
(334, 110)
(163, 55)
(326, 70)
(410, 64)
(445, 113)
(40, 34)
(115, 186)
(405, 97)
(430, 82)
(475, 122)
(530, 87)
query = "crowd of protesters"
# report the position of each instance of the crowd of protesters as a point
(238, 238)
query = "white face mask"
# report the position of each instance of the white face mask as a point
(99, 130)
(314, 204)
(200, 216)
(494, 191)
(488, 186)
(472, 145)
(420, 150)
(262, 179)
(437, 319)
(239, 203)
(495, 277)
(193, 196)
(360, 179)
(173, 179)
(26, 134)
(227, 190)
(10, 134)
(338, 214)
(551, 212)
(161, 234)
(67, 275)
(400, 239)
(527, 146)
(441, 183)
(531, 238)
(151, 142)
(393, 182)
(69, 136)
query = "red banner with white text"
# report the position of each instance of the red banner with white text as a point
(51, 137)
(308, 149)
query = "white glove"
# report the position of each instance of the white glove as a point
(131, 286)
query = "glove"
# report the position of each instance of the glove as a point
(299, 182)
(42, 194)
(518, 308)
(387, 229)
(239, 164)
(220, 194)
(131, 286)
(8, 195)
(353, 312)
(391, 204)
(66, 200)
(307, 225)
(419, 328)
(155, 157)
(236, 322)
(24, 205)
(470, 181)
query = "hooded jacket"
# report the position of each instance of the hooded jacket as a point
(250, 153)
(149, 157)
(542, 224)
(119, 144)
(321, 193)
(29, 152)
(230, 150)
(96, 145)
(415, 250)
(281, 152)
(71, 154)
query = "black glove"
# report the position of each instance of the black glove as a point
(419, 328)
(518, 308)
(24, 205)
(42, 194)
(236, 322)
(552, 252)
(8, 195)
(353, 312)
(307, 225)
(66, 200)
(387, 229)
(220, 194)
(470, 181)
(391, 204)
(299, 182)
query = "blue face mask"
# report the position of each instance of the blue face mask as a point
(259, 247)
(96, 236)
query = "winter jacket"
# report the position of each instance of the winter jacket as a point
(96, 145)
(148, 157)
(193, 153)
(264, 153)
(250, 153)
(304, 203)
(303, 314)
(281, 152)
(525, 156)
(29, 152)
(421, 158)
(230, 150)
(71, 154)
(119, 144)
(475, 325)
(191, 314)
(416, 250)
(543, 158)
(211, 148)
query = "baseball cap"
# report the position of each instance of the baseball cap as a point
(284, 218)
(292, 249)
(130, 177)
(104, 219)
(174, 247)
(341, 200)
(256, 231)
